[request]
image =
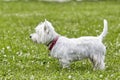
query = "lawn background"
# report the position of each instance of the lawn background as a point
(21, 59)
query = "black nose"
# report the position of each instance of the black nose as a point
(30, 36)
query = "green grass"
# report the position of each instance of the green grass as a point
(21, 59)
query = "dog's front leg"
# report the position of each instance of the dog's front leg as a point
(64, 63)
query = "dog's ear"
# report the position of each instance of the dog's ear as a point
(46, 27)
(45, 20)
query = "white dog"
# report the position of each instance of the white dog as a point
(67, 50)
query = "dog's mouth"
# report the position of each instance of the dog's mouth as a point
(35, 41)
(32, 37)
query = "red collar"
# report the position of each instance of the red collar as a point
(52, 43)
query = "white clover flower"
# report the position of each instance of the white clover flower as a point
(32, 77)
(2, 51)
(3, 48)
(5, 55)
(101, 76)
(8, 47)
(69, 77)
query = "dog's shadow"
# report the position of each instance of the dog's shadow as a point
(52, 65)
(74, 67)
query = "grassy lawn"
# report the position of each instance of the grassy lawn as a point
(21, 59)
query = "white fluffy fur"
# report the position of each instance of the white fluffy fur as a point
(67, 50)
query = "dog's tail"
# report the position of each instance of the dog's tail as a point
(105, 29)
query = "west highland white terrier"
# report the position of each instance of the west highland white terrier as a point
(67, 50)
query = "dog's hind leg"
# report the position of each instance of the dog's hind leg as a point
(101, 64)
(98, 62)
(65, 63)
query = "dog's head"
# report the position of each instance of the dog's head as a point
(44, 33)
